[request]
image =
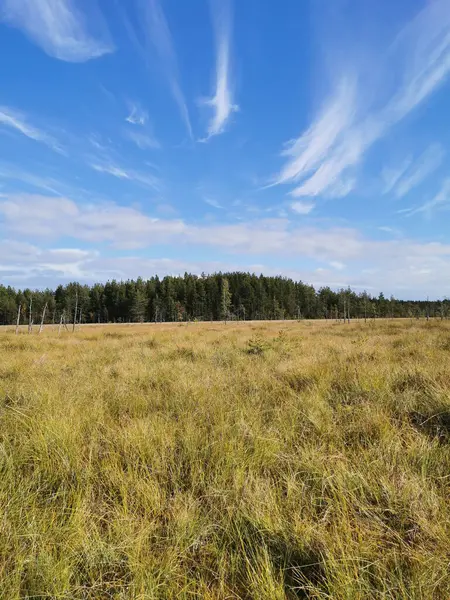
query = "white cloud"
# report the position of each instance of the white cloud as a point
(10, 172)
(302, 208)
(222, 101)
(441, 201)
(58, 27)
(343, 255)
(43, 214)
(137, 115)
(310, 150)
(212, 202)
(129, 227)
(52, 218)
(392, 230)
(339, 266)
(391, 176)
(157, 34)
(423, 50)
(416, 172)
(337, 140)
(144, 141)
(29, 265)
(18, 121)
(111, 168)
(96, 141)
(341, 188)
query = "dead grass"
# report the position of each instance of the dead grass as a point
(257, 461)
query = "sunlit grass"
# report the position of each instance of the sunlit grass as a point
(248, 460)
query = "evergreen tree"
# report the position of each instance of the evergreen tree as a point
(138, 306)
(209, 297)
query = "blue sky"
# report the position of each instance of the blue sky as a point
(303, 138)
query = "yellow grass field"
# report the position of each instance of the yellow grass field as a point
(261, 461)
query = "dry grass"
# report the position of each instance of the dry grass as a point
(256, 461)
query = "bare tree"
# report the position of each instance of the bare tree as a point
(18, 319)
(42, 319)
(30, 320)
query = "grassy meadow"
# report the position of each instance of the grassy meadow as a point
(261, 461)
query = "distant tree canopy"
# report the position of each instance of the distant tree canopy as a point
(206, 297)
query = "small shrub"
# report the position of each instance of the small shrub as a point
(282, 336)
(256, 346)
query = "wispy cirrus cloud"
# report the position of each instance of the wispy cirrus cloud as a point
(338, 138)
(390, 176)
(14, 177)
(222, 100)
(423, 52)
(99, 143)
(137, 115)
(18, 121)
(58, 27)
(144, 141)
(157, 37)
(142, 137)
(9, 172)
(212, 202)
(110, 168)
(390, 230)
(328, 147)
(411, 173)
(440, 201)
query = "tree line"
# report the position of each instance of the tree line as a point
(220, 296)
